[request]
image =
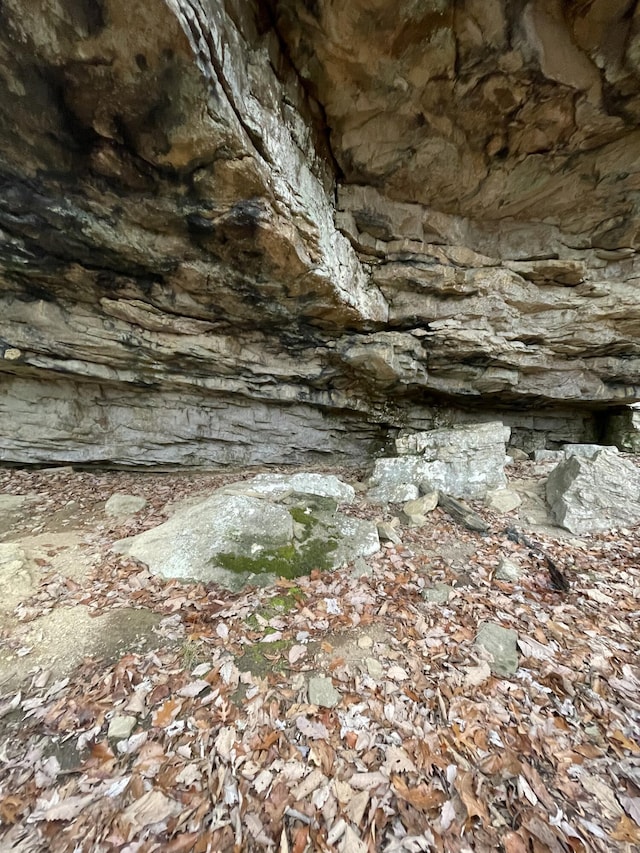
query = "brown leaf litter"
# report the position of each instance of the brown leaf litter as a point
(424, 749)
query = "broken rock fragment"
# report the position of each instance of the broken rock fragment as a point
(465, 461)
(587, 495)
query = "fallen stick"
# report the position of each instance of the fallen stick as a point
(558, 579)
(462, 514)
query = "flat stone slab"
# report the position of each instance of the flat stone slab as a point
(13, 503)
(508, 571)
(18, 576)
(325, 485)
(503, 500)
(438, 594)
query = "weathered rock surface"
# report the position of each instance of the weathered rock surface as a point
(508, 571)
(586, 450)
(438, 594)
(465, 462)
(233, 539)
(588, 495)
(281, 485)
(624, 429)
(241, 233)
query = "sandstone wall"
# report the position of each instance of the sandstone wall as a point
(242, 232)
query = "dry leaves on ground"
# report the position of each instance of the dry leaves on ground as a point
(430, 753)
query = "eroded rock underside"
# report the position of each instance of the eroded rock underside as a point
(246, 232)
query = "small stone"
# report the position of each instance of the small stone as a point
(503, 500)
(322, 692)
(374, 668)
(438, 594)
(508, 571)
(365, 642)
(388, 533)
(421, 506)
(517, 454)
(121, 727)
(120, 504)
(415, 520)
(12, 353)
(415, 511)
(360, 568)
(501, 644)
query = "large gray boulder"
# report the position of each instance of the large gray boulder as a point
(238, 539)
(588, 495)
(465, 461)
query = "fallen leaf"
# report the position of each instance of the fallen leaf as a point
(308, 785)
(356, 807)
(351, 843)
(397, 761)
(63, 810)
(152, 807)
(166, 713)
(631, 805)
(513, 842)
(296, 653)
(225, 742)
(627, 830)
(465, 788)
(477, 675)
(11, 807)
(194, 688)
(420, 796)
(311, 729)
(447, 815)
(397, 673)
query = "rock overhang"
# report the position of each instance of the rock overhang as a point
(233, 203)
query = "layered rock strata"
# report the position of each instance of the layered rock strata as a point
(241, 232)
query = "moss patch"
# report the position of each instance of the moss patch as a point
(287, 561)
(276, 606)
(262, 658)
(302, 516)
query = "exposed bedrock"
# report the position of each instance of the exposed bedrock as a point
(241, 233)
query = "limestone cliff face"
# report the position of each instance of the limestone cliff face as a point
(244, 232)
